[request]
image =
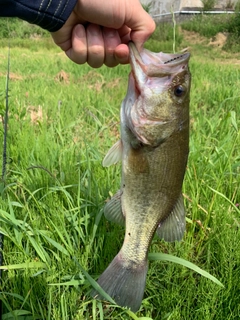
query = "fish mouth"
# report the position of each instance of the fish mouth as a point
(152, 74)
(151, 64)
(154, 71)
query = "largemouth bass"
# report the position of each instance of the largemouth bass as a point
(154, 151)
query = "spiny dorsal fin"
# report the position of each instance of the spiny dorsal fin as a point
(173, 228)
(113, 209)
(114, 154)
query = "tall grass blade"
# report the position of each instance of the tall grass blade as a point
(226, 198)
(234, 120)
(57, 245)
(26, 265)
(17, 314)
(68, 283)
(185, 263)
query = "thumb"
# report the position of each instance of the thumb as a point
(142, 26)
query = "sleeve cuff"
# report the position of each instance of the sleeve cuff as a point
(48, 14)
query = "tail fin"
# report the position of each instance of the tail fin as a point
(124, 281)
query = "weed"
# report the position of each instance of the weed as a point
(208, 4)
(16, 28)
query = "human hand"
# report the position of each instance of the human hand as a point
(97, 31)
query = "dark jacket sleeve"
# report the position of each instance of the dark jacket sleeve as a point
(48, 14)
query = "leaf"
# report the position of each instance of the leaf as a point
(16, 204)
(185, 263)
(234, 120)
(96, 224)
(189, 220)
(226, 198)
(68, 283)
(39, 249)
(15, 314)
(26, 265)
(55, 244)
(14, 295)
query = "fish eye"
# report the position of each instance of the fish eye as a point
(179, 91)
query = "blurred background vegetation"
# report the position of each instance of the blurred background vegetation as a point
(204, 24)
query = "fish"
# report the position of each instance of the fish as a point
(153, 148)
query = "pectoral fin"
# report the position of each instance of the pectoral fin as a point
(114, 154)
(173, 228)
(113, 209)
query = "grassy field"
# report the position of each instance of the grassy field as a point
(62, 120)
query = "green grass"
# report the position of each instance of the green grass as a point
(16, 28)
(63, 118)
(166, 38)
(210, 25)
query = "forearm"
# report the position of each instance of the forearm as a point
(48, 14)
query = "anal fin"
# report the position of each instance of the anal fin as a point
(113, 209)
(173, 228)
